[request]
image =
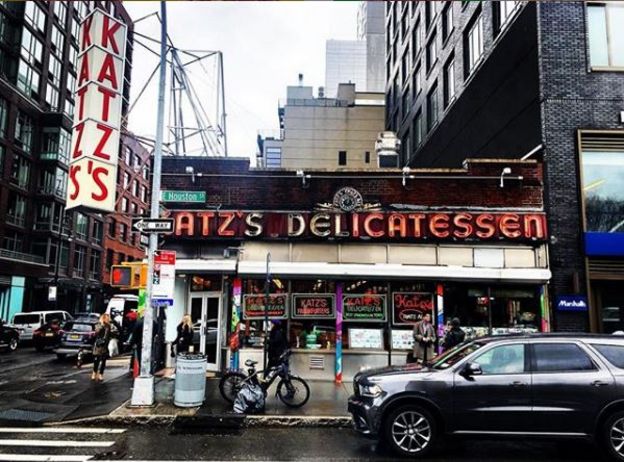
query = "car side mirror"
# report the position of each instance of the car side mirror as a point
(472, 369)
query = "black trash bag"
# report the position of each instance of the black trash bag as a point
(250, 399)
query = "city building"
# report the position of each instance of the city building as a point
(48, 258)
(515, 79)
(360, 61)
(355, 257)
(319, 132)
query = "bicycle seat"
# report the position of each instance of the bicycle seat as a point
(250, 363)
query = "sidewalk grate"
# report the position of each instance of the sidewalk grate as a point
(24, 415)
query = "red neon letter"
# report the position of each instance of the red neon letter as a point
(107, 132)
(108, 33)
(107, 72)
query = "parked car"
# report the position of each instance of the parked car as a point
(77, 334)
(540, 385)
(27, 323)
(9, 337)
(48, 335)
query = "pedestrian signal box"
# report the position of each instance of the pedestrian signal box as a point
(121, 276)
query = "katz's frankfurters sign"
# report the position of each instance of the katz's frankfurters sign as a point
(392, 226)
(97, 117)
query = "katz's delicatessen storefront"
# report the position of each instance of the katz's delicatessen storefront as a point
(352, 261)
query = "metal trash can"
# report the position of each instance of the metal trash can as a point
(190, 380)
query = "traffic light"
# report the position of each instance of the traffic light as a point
(121, 276)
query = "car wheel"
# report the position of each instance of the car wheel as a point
(410, 431)
(613, 435)
(13, 344)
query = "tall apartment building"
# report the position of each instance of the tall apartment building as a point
(509, 79)
(360, 61)
(41, 245)
(324, 133)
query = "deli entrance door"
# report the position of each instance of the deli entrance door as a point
(205, 311)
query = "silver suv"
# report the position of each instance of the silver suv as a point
(547, 385)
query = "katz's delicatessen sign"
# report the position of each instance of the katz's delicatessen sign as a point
(97, 117)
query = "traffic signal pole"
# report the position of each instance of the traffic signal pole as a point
(143, 391)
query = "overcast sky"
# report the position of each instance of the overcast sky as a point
(265, 46)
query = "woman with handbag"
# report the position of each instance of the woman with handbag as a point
(184, 339)
(103, 331)
(424, 338)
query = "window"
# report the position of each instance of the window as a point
(58, 39)
(504, 359)
(431, 54)
(95, 265)
(69, 107)
(126, 180)
(613, 353)
(418, 129)
(60, 11)
(366, 157)
(273, 157)
(60, 183)
(3, 117)
(80, 254)
(73, 56)
(32, 48)
(432, 107)
(71, 83)
(123, 235)
(44, 216)
(560, 357)
(54, 70)
(52, 97)
(473, 44)
(135, 188)
(342, 157)
(16, 213)
(447, 21)
(133, 208)
(606, 34)
(35, 15)
(124, 204)
(146, 169)
(137, 160)
(24, 131)
(81, 226)
(112, 225)
(28, 80)
(2, 157)
(503, 11)
(75, 30)
(143, 193)
(13, 241)
(110, 258)
(417, 83)
(449, 81)
(20, 171)
(64, 259)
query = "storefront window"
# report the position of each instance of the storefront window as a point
(312, 322)
(205, 283)
(364, 312)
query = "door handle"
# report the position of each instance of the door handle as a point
(599, 383)
(518, 384)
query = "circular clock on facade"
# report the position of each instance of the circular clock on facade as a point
(348, 199)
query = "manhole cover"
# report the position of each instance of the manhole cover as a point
(20, 414)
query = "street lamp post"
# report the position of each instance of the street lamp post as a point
(267, 286)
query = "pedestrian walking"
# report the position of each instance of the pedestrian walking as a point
(454, 336)
(103, 333)
(184, 339)
(278, 344)
(424, 338)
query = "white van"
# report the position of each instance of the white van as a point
(119, 306)
(27, 323)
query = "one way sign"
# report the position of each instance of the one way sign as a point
(153, 225)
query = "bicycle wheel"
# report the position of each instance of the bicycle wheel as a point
(293, 391)
(230, 384)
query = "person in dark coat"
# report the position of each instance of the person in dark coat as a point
(184, 339)
(278, 344)
(103, 332)
(454, 336)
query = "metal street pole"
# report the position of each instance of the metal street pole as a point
(266, 311)
(143, 391)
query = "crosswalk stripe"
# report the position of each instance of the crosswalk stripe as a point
(42, 458)
(61, 430)
(55, 443)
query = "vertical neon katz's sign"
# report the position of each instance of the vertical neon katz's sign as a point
(97, 118)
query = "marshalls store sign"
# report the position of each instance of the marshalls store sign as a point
(97, 119)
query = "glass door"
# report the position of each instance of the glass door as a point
(204, 309)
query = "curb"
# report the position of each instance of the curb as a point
(210, 422)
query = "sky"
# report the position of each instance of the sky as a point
(265, 46)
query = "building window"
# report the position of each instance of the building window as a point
(124, 204)
(342, 157)
(54, 70)
(69, 106)
(606, 34)
(35, 15)
(58, 40)
(52, 98)
(367, 157)
(28, 80)
(64, 260)
(602, 164)
(126, 180)
(98, 231)
(60, 183)
(60, 11)
(273, 157)
(44, 217)
(143, 193)
(112, 228)
(417, 84)
(432, 52)
(32, 49)
(75, 30)
(82, 226)
(73, 56)
(2, 157)
(418, 129)
(447, 20)
(473, 44)
(95, 264)
(80, 253)
(503, 11)
(110, 258)
(24, 132)
(432, 106)
(123, 234)
(16, 212)
(20, 171)
(449, 81)
(13, 241)
(71, 83)
(3, 117)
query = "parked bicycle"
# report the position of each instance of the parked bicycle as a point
(292, 391)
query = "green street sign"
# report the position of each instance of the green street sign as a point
(183, 196)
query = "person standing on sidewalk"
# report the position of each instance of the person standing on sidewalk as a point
(424, 338)
(103, 332)
(454, 336)
(184, 338)
(278, 344)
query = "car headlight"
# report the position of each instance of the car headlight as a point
(370, 391)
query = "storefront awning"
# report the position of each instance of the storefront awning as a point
(205, 266)
(382, 270)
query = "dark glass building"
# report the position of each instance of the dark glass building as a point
(512, 79)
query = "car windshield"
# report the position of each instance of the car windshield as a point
(454, 355)
(78, 327)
